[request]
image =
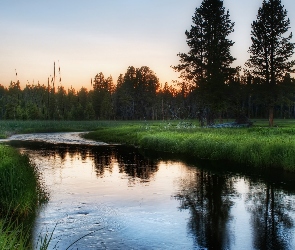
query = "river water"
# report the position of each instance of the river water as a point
(117, 197)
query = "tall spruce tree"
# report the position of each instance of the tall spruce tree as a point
(271, 51)
(207, 64)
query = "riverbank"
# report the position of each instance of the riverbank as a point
(257, 146)
(21, 193)
(10, 127)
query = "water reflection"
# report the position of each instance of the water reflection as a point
(209, 199)
(131, 201)
(130, 161)
(135, 165)
(270, 216)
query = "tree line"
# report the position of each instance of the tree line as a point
(138, 95)
(209, 88)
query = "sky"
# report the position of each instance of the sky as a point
(85, 37)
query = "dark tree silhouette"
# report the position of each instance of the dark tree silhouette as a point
(136, 94)
(207, 64)
(271, 51)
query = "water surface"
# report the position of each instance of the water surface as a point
(115, 197)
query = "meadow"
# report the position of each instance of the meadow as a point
(257, 146)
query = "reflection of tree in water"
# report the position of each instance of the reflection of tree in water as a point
(102, 158)
(135, 165)
(269, 216)
(62, 151)
(129, 159)
(130, 162)
(208, 197)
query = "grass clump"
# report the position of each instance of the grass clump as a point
(20, 193)
(20, 189)
(13, 236)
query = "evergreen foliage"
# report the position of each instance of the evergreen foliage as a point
(140, 97)
(209, 87)
(207, 64)
(271, 50)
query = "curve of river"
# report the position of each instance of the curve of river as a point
(71, 138)
(117, 197)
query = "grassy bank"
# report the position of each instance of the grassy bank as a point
(258, 146)
(20, 190)
(20, 194)
(9, 127)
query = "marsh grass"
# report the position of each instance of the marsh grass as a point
(45, 241)
(258, 146)
(21, 191)
(20, 187)
(12, 235)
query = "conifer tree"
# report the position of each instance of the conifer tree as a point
(271, 51)
(207, 64)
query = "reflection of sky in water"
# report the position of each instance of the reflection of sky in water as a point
(123, 211)
(119, 199)
(73, 138)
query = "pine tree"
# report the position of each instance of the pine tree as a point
(207, 64)
(271, 51)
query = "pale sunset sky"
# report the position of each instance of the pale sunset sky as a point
(85, 37)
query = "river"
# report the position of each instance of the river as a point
(117, 197)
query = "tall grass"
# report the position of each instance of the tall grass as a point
(20, 186)
(256, 146)
(13, 236)
(21, 192)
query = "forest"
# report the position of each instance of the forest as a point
(208, 89)
(138, 95)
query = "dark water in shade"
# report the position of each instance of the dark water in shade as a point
(115, 197)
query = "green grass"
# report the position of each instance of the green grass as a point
(10, 127)
(20, 188)
(258, 146)
(13, 236)
(20, 194)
